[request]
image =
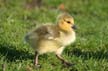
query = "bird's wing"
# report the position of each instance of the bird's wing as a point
(47, 32)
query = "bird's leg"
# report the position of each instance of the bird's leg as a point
(66, 63)
(36, 60)
(58, 54)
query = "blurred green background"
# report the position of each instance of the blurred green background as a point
(89, 52)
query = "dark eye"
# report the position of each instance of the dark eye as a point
(69, 22)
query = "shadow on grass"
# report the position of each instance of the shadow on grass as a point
(101, 54)
(11, 54)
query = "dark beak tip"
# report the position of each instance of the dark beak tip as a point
(74, 27)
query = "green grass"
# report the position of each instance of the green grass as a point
(89, 52)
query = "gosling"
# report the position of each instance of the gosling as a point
(53, 38)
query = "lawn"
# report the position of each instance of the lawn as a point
(89, 52)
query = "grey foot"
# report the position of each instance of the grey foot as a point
(68, 64)
(37, 65)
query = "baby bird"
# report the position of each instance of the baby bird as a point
(53, 38)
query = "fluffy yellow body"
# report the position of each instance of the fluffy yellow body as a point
(49, 41)
(52, 38)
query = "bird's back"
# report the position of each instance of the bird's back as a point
(46, 31)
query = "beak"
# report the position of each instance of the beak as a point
(74, 27)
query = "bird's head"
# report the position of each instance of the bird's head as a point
(66, 22)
